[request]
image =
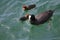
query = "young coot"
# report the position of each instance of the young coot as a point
(29, 7)
(24, 18)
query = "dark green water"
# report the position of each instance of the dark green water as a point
(13, 29)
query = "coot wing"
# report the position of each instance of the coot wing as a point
(43, 17)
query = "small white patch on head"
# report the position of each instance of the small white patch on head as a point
(29, 17)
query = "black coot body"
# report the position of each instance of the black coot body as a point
(29, 7)
(41, 18)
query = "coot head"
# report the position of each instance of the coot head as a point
(32, 17)
(25, 7)
(29, 7)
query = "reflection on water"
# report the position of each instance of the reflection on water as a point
(13, 29)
